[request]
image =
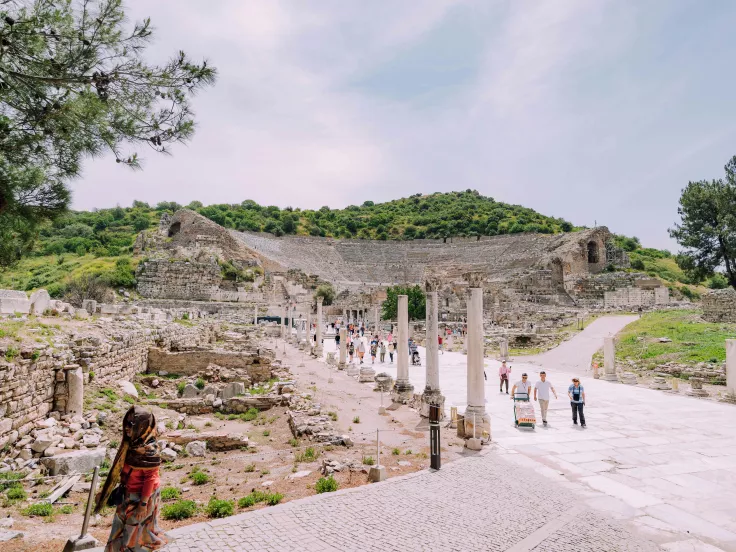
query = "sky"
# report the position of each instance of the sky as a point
(598, 112)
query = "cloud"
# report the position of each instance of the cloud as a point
(584, 110)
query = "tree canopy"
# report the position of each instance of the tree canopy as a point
(73, 84)
(417, 302)
(708, 227)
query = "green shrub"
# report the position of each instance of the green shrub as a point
(294, 442)
(356, 420)
(274, 498)
(66, 509)
(219, 508)
(42, 509)
(395, 452)
(199, 384)
(199, 478)
(309, 455)
(250, 468)
(333, 416)
(266, 433)
(9, 479)
(170, 493)
(326, 485)
(260, 496)
(16, 493)
(181, 509)
(180, 387)
(368, 460)
(250, 415)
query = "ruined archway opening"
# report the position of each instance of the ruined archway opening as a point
(174, 229)
(593, 253)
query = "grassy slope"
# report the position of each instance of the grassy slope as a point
(693, 340)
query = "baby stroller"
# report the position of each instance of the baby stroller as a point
(415, 360)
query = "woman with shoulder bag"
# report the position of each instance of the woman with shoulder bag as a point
(133, 487)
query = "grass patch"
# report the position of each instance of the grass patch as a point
(326, 485)
(294, 442)
(309, 455)
(333, 416)
(266, 433)
(199, 478)
(250, 468)
(170, 493)
(181, 509)
(217, 508)
(395, 452)
(9, 479)
(693, 341)
(260, 496)
(368, 460)
(356, 420)
(250, 415)
(42, 509)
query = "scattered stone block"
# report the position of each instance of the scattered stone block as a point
(40, 302)
(128, 388)
(196, 448)
(78, 461)
(168, 455)
(12, 301)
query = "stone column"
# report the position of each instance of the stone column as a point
(432, 395)
(299, 331)
(609, 360)
(255, 315)
(343, 348)
(731, 368)
(504, 346)
(476, 420)
(376, 320)
(344, 316)
(283, 322)
(308, 338)
(75, 388)
(318, 347)
(403, 389)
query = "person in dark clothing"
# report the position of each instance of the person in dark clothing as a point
(577, 401)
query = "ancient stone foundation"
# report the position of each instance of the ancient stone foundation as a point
(720, 305)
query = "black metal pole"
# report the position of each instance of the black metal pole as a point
(434, 437)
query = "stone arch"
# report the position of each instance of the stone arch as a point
(174, 229)
(593, 252)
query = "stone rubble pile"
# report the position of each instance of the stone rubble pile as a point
(306, 420)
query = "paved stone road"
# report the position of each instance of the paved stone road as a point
(477, 503)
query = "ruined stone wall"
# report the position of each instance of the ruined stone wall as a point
(720, 305)
(34, 382)
(174, 279)
(188, 363)
(636, 297)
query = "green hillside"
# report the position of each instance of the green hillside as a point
(100, 243)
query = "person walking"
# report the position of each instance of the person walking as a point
(541, 394)
(361, 350)
(391, 349)
(132, 485)
(374, 350)
(576, 392)
(439, 344)
(521, 387)
(503, 373)
(383, 352)
(351, 351)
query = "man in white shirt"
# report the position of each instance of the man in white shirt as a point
(541, 394)
(522, 388)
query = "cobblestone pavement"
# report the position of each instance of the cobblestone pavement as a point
(477, 503)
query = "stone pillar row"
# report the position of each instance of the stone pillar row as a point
(318, 349)
(403, 389)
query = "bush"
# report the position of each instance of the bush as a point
(170, 493)
(250, 468)
(266, 433)
(180, 387)
(718, 281)
(219, 508)
(327, 292)
(356, 420)
(199, 384)
(309, 455)
(638, 264)
(260, 496)
(395, 452)
(274, 498)
(181, 509)
(66, 509)
(368, 460)
(199, 478)
(16, 493)
(326, 485)
(42, 509)
(250, 415)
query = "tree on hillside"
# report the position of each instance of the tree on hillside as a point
(417, 303)
(73, 84)
(708, 227)
(327, 292)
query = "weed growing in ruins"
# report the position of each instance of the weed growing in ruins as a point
(11, 353)
(170, 493)
(219, 508)
(109, 394)
(395, 452)
(250, 415)
(309, 455)
(356, 420)
(332, 415)
(423, 455)
(181, 509)
(35, 356)
(199, 478)
(173, 466)
(233, 416)
(42, 509)
(220, 416)
(66, 509)
(250, 468)
(208, 424)
(265, 471)
(129, 399)
(368, 460)
(274, 498)
(326, 485)
(15, 494)
(407, 452)
(260, 496)
(199, 384)
(9, 479)
(266, 433)
(294, 442)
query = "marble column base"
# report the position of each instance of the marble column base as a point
(367, 374)
(318, 350)
(341, 365)
(609, 377)
(403, 392)
(432, 397)
(481, 419)
(728, 398)
(353, 370)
